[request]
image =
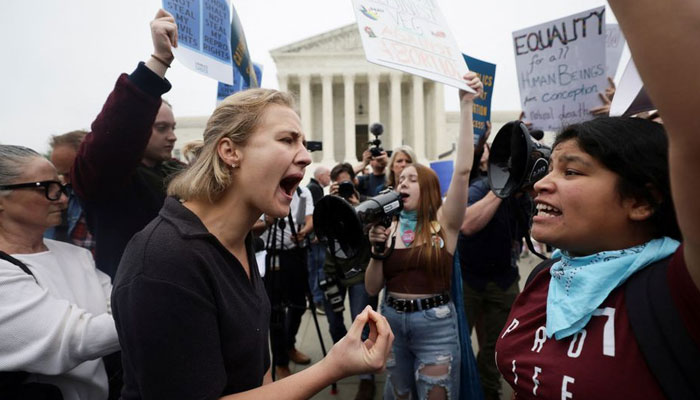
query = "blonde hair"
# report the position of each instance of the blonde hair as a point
(393, 180)
(236, 118)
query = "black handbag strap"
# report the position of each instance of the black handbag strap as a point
(18, 263)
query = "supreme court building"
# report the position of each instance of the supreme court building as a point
(340, 95)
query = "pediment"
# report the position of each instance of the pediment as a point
(339, 40)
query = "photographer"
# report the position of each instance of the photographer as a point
(346, 275)
(489, 244)
(286, 282)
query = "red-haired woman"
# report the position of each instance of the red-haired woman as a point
(425, 360)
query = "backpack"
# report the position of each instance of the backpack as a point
(670, 353)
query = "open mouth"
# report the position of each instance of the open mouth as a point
(404, 195)
(289, 183)
(547, 210)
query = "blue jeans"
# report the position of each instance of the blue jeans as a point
(359, 299)
(425, 338)
(317, 256)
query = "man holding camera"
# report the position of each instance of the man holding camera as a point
(489, 245)
(346, 275)
(371, 184)
(286, 278)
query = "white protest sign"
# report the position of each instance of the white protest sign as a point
(411, 36)
(614, 44)
(561, 69)
(203, 36)
(627, 90)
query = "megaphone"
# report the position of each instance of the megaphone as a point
(337, 220)
(516, 161)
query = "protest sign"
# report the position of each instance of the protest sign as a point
(203, 30)
(561, 69)
(614, 44)
(482, 104)
(411, 36)
(239, 83)
(443, 169)
(630, 96)
(243, 67)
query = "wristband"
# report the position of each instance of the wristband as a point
(160, 60)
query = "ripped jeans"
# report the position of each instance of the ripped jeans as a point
(425, 355)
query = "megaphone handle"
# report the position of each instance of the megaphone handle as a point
(379, 250)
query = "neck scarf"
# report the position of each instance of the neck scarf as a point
(580, 284)
(407, 226)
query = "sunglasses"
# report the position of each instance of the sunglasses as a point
(52, 189)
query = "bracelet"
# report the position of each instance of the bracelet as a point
(160, 60)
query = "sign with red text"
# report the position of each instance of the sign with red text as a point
(561, 69)
(411, 36)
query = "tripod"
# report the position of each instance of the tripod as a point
(277, 287)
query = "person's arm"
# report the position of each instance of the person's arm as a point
(374, 275)
(671, 80)
(350, 356)
(119, 135)
(479, 214)
(452, 211)
(44, 334)
(259, 227)
(366, 156)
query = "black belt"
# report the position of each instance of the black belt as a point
(411, 305)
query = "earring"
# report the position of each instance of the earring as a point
(234, 165)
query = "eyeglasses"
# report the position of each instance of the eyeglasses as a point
(52, 189)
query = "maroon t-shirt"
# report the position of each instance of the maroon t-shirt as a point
(602, 361)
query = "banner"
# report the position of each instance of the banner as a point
(614, 44)
(482, 104)
(443, 169)
(561, 69)
(411, 36)
(239, 83)
(244, 68)
(203, 31)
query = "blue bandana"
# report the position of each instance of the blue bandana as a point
(580, 284)
(407, 226)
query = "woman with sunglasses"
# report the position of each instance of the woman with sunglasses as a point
(55, 318)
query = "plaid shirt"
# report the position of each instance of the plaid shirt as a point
(81, 236)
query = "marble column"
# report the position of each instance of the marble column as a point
(283, 82)
(373, 78)
(349, 85)
(305, 104)
(327, 109)
(440, 130)
(418, 119)
(395, 98)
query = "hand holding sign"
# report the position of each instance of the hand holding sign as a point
(164, 37)
(474, 83)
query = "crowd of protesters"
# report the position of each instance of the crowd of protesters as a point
(125, 273)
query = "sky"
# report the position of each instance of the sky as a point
(61, 58)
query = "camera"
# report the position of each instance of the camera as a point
(346, 189)
(332, 292)
(376, 129)
(312, 146)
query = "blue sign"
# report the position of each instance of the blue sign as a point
(482, 104)
(224, 90)
(444, 169)
(242, 65)
(202, 26)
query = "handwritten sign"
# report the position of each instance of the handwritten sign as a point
(411, 36)
(614, 44)
(561, 68)
(239, 83)
(482, 104)
(203, 29)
